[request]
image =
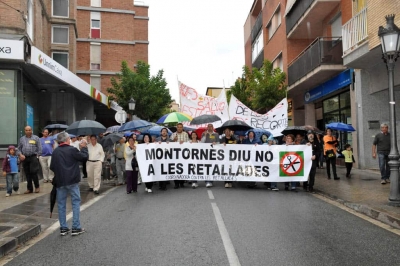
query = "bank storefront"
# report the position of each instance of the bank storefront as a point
(332, 101)
(35, 90)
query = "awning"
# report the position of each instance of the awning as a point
(40, 60)
(289, 6)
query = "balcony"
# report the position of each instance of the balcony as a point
(355, 32)
(256, 28)
(321, 60)
(304, 19)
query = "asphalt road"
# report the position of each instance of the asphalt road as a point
(179, 227)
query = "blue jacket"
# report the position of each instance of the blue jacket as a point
(65, 164)
(247, 141)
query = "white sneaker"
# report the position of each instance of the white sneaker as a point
(194, 185)
(275, 189)
(150, 191)
(383, 181)
(17, 192)
(7, 195)
(387, 180)
(227, 185)
(230, 184)
(146, 190)
(208, 184)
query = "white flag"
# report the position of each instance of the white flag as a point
(275, 121)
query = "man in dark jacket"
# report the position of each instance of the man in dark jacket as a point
(251, 140)
(65, 165)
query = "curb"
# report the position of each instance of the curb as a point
(16, 236)
(366, 210)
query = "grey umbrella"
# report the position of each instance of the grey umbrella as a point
(86, 127)
(111, 139)
(205, 119)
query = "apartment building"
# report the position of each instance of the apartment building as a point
(49, 72)
(331, 53)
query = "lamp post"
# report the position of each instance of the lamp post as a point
(390, 42)
(131, 106)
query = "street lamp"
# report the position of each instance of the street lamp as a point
(390, 35)
(131, 106)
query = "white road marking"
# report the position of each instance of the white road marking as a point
(210, 194)
(229, 248)
(49, 230)
(362, 216)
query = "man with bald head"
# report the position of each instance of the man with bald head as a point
(29, 150)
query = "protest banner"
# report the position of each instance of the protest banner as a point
(274, 121)
(195, 104)
(202, 161)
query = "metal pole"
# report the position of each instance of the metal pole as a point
(394, 197)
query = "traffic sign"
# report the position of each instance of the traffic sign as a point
(120, 116)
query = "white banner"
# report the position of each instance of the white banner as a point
(234, 162)
(274, 121)
(195, 104)
(12, 49)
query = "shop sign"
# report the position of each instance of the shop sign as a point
(340, 81)
(11, 49)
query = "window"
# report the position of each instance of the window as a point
(336, 27)
(29, 20)
(60, 34)
(257, 46)
(61, 8)
(278, 62)
(95, 81)
(274, 23)
(95, 56)
(95, 25)
(8, 105)
(96, 3)
(61, 58)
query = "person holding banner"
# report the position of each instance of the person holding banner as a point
(265, 140)
(309, 185)
(131, 167)
(149, 185)
(251, 140)
(228, 139)
(163, 138)
(290, 141)
(194, 139)
(181, 137)
(210, 136)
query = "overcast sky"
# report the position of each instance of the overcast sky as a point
(200, 43)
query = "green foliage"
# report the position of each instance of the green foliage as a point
(150, 92)
(260, 89)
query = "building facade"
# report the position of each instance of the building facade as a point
(330, 52)
(42, 49)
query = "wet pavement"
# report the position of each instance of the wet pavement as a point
(362, 192)
(26, 215)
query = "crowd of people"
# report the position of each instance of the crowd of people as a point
(62, 158)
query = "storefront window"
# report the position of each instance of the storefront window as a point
(338, 109)
(8, 105)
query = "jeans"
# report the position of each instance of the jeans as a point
(62, 193)
(12, 182)
(329, 162)
(384, 165)
(120, 165)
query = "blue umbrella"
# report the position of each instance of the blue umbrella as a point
(134, 124)
(155, 131)
(113, 129)
(258, 132)
(340, 127)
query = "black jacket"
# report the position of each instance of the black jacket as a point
(65, 164)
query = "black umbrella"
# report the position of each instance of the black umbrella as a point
(301, 130)
(205, 119)
(233, 125)
(56, 126)
(53, 196)
(111, 139)
(86, 127)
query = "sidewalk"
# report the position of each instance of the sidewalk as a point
(26, 215)
(363, 193)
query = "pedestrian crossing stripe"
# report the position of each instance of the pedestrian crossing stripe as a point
(291, 163)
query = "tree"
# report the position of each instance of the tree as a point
(260, 89)
(267, 85)
(150, 92)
